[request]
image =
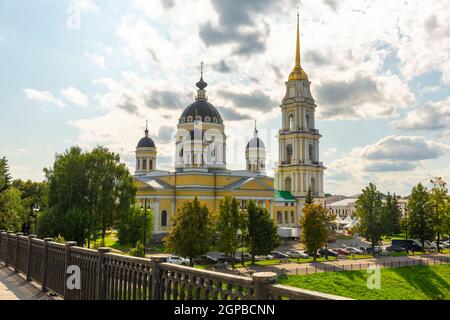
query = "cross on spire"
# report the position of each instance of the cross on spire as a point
(146, 128)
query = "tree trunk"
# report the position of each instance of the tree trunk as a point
(253, 259)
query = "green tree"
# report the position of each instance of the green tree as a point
(5, 177)
(132, 225)
(309, 197)
(191, 234)
(11, 210)
(391, 216)
(369, 211)
(439, 205)
(229, 222)
(262, 233)
(420, 216)
(87, 193)
(315, 223)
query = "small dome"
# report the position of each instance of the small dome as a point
(255, 143)
(201, 110)
(146, 142)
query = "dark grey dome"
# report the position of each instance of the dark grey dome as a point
(146, 142)
(203, 109)
(255, 143)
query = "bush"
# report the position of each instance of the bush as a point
(139, 251)
(131, 226)
(59, 239)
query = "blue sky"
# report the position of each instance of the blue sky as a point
(91, 72)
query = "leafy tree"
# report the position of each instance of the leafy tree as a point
(191, 234)
(132, 224)
(309, 197)
(420, 217)
(33, 194)
(439, 205)
(391, 216)
(11, 210)
(138, 251)
(229, 222)
(88, 192)
(5, 177)
(262, 233)
(369, 210)
(315, 223)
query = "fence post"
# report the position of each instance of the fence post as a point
(16, 255)
(262, 281)
(100, 285)
(66, 266)
(30, 239)
(156, 276)
(45, 264)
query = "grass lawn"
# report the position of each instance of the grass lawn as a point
(344, 237)
(407, 283)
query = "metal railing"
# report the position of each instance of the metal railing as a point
(107, 276)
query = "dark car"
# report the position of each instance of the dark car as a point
(227, 258)
(205, 259)
(370, 250)
(409, 244)
(327, 252)
(279, 255)
(395, 248)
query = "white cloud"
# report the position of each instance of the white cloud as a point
(99, 60)
(43, 96)
(75, 96)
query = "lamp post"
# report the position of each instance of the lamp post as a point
(145, 220)
(240, 233)
(36, 209)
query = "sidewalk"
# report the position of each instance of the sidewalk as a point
(349, 265)
(14, 287)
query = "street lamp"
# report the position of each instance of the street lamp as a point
(36, 209)
(145, 220)
(240, 233)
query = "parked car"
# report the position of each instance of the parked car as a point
(408, 244)
(206, 259)
(277, 255)
(342, 251)
(296, 254)
(395, 248)
(430, 246)
(227, 258)
(369, 250)
(353, 250)
(178, 260)
(327, 252)
(247, 256)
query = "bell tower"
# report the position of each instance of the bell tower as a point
(299, 167)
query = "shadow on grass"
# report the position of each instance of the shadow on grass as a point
(426, 280)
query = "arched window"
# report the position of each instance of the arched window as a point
(138, 164)
(279, 217)
(181, 152)
(144, 164)
(291, 123)
(183, 120)
(164, 218)
(311, 152)
(313, 185)
(288, 184)
(215, 120)
(151, 165)
(308, 121)
(286, 217)
(198, 118)
(292, 217)
(289, 153)
(207, 119)
(189, 119)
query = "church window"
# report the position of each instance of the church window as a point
(291, 123)
(292, 217)
(144, 164)
(306, 89)
(189, 119)
(207, 119)
(286, 217)
(138, 164)
(198, 118)
(279, 217)
(151, 165)
(183, 120)
(313, 185)
(288, 184)
(308, 122)
(289, 153)
(164, 218)
(215, 120)
(311, 152)
(292, 90)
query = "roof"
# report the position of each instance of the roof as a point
(284, 196)
(255, 143)
(343, 203)
(201, 108)
(146, 142)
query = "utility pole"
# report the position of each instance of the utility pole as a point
(145, 222)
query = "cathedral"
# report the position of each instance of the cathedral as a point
(201, 167)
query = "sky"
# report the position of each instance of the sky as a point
(88, 73)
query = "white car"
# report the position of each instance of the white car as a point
(296, 254)
(178, 260)
(353, 250)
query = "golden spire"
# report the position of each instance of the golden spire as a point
(298, 73)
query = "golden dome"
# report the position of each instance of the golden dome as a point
(298, 74)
